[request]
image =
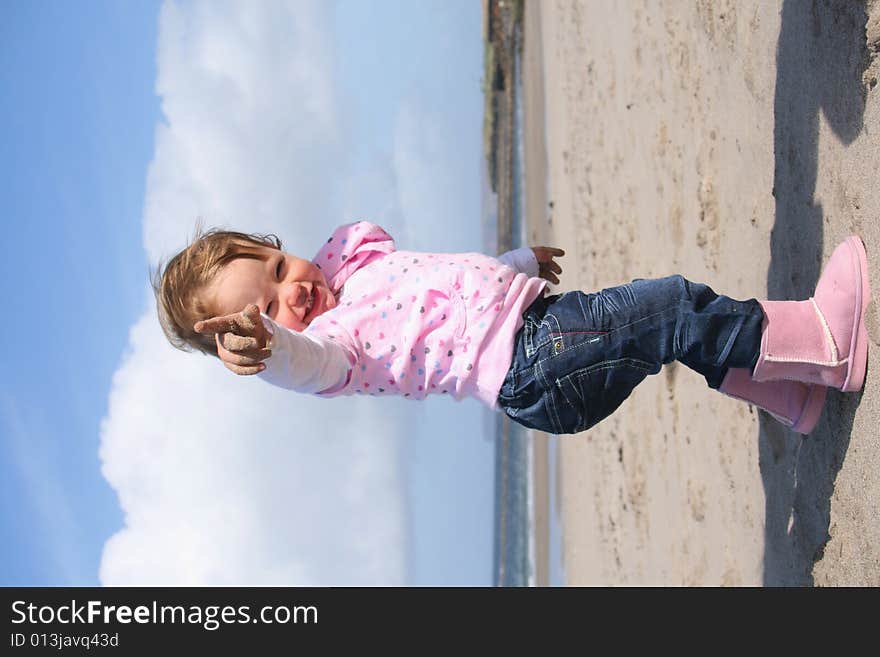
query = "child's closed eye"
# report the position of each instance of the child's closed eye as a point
(279, 267)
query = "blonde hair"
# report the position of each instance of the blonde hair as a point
(179, 285)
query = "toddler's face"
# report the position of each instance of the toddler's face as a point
(290, 290)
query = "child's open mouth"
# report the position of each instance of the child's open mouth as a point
(311, 302)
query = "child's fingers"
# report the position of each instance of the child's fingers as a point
(547, 274)
(224, 324)
(549, 270)
(246, 361)
(247, 320)
(551, 251)
(238, 343)
(246, 357)
(252, 313)
(245, 370)
(237, 323)
(249, 357)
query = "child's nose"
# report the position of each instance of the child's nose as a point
(299, 295)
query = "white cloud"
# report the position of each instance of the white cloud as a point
(429, 165)
(371, 194)
(222, 479)
(227, 480)
(250, 137)
(417, 189)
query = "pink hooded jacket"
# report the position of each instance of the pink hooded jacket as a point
(408, 323)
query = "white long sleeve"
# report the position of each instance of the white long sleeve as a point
(522, 260)
(303, 362)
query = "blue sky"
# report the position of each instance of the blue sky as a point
(79, 112)
(332, 113)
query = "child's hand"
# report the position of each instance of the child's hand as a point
(241, 339)
(547, 268)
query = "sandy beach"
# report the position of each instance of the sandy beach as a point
(735, 143)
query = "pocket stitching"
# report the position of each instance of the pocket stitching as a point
(632, 363)
(458, 307)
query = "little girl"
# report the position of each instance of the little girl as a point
(365, 318)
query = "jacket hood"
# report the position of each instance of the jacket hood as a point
(351, 247)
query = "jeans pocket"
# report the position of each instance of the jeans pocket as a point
(591, 394)
(538, 324)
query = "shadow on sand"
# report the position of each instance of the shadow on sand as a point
(820, 58)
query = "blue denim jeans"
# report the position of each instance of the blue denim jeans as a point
(578, 356)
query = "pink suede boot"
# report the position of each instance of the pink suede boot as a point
(822, 340)
(796, 405)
